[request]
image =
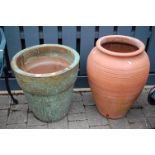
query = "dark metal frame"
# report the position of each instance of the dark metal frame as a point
(4, 67)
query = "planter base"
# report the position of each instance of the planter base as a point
(50, 108)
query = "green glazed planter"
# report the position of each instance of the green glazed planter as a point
(48, 94)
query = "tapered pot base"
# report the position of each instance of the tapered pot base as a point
(110, 116)
(111, 111)
(50, 108)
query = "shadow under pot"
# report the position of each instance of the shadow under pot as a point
(47, 74)
(117, 68)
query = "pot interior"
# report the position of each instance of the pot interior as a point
(42, 60)
(119, 47)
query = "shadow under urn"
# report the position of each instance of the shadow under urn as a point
(47, 74)
(117, 68)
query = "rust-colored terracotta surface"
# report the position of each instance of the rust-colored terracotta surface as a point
(117, 69)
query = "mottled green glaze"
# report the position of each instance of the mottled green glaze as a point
(48, 95)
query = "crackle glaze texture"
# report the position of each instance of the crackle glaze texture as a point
(48, 93)
(117, 69)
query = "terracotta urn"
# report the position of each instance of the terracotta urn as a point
(47, 73)
(117, 68)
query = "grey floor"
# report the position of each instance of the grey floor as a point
(82, 115)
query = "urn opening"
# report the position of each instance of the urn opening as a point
(119, 45)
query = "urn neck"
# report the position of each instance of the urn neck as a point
(119, 45)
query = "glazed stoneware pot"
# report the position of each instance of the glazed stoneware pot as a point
(117, 69)
(47, 73)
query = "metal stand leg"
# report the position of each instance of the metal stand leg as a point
(15, 101)
(151, 96)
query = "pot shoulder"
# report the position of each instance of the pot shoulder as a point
(98, 60)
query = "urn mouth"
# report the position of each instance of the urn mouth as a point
(120, 45)
(45, 60)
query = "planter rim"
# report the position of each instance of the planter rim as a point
(22, 72)
(120, 39)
